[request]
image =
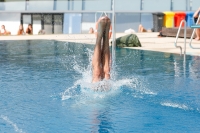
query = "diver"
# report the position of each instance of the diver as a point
(101, 56)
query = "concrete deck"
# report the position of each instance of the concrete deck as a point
(149, 41)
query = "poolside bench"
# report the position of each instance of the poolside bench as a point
(172, 32)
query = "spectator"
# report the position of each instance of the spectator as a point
(29, 30)
(91, 30)
(196, 15)
(21, 30)
(142, 29)
(3, 30)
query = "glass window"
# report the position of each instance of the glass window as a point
(72, 23)
(156, 5)
(76, 5)
(147, 20)
(48, 20)
(40, 5)
(179, 5)
(127, 5)
(26, 20)
(37, 23)
(69, 5)
(2, 6)
(96, 5)
(11, 5)
(88, 20)
(125, 21)
(58, 23)
(62, 5)
(195, 4)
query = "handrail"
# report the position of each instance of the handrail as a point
(190, 43)
(175, 43)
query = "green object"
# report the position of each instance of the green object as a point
(130, 40)
(195, 26)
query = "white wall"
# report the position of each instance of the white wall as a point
(11, 22)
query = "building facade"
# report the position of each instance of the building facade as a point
(77, 16)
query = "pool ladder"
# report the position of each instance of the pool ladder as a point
(185, 31)
(179, 29)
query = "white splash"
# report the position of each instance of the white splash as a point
(6, 119)
(83, 87)
(175, 105)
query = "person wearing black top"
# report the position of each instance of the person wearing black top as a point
(196, 15)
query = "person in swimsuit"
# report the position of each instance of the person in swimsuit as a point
(101, 56)
(21, 30)
(91, 30)
(3, 30)
(29, 30)
(196, 15)
(141, 28)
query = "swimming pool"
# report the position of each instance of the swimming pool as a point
(45, 88)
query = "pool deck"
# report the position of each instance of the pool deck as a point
(149, 41)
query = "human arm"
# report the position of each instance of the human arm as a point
(96, 27)
(196, 14)
(110, 32)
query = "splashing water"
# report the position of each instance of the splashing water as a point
(83, 87)
(14, 125)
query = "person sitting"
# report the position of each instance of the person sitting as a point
(3, 30)
(21, 30)
(29, 29)
(101, 56)
(141, 29)
(91, 30)
(196, 15)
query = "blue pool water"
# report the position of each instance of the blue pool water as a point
(45, 88)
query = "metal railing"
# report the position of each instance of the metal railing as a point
(190, 43)
(175, 43)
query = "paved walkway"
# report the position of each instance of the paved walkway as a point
(149, 41)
